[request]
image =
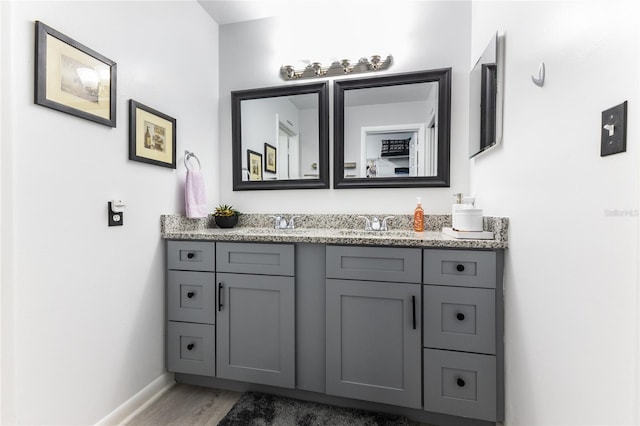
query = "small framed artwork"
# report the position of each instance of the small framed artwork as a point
(152, 136)
(254, 164)
(270, 152)
(72, 78)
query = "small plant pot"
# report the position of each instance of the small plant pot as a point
(226, 221)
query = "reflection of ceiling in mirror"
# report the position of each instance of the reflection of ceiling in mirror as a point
(414, 92)
(309, 101)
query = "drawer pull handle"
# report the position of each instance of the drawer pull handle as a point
(460, 382)
(190, 255)
(190, 295)
(220, 296)
(190, 346)
(460, 267)
(460, 316)
(413, 303)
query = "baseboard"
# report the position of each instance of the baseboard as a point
(139, 401)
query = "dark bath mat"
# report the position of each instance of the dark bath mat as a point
(259, 409)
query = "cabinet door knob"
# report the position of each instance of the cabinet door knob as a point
(191, 345)
(190, 255)
(460, 382)
(460, 316)
(460, 267)
(191, 294)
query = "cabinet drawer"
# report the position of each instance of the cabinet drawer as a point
(191, 348)
(462, 268)
(191, 296)
(374, 263)
(191, 255)
(459, 383)
(249, 258)
(458, 318)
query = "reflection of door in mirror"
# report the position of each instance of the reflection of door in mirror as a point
(289, 157)
(389, 151)
(387, 148)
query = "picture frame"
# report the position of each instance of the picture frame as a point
(73, 78)
(254, 165)
(270, 158)
(152, 136)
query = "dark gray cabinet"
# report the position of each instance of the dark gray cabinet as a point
(463, 333)
(255, 338)
(410, 327)
(373, 329)
(191, 308)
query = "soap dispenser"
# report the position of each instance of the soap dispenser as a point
(418, 217)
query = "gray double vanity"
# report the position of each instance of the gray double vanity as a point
(393, 321)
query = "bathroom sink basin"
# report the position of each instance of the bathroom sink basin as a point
(381, 234)
(266, 231)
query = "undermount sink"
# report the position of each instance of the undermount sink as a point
(267, 231)
(368, 234)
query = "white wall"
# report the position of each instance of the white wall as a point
(88, 300)
(571, 282)
(420, 35)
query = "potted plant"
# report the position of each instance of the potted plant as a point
(226, 216)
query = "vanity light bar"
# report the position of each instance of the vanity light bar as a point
(337, 68)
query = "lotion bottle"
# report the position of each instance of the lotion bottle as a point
(418, 217)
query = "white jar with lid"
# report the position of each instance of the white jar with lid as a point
(467, 220)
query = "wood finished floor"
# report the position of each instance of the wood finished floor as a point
(187, 405)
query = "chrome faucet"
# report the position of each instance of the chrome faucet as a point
(281, 223)
(375, 224)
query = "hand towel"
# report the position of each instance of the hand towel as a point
(194, 195)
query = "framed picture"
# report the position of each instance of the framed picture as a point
(254, 164)
(270, 158)
(72, 78)
(152, 136)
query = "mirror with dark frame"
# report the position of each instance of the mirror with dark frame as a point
(393, 131)
(485, 100)
(280, 137)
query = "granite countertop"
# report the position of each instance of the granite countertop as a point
(332, 229)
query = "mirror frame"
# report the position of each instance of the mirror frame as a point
(440, 76)
(488, 132)
(237, 96)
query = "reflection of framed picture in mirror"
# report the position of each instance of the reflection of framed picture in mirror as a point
(73, 78)
(152, 136)
(254, 164)
(270, 158)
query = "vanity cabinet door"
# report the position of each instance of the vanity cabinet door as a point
(373, 349)
(255, 336)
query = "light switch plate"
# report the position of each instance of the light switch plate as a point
(616, 142)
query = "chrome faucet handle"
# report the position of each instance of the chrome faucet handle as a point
(291, 224)
(384, 227)
(367, 223)
(375, 224)
(277, 223)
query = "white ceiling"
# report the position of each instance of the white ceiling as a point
(230, 11)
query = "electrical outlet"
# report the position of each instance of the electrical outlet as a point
(114, 218)
(614, 130)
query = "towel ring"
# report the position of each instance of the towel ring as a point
(187, 156)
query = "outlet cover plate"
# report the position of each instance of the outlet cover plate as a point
(114, 219)
(613, 144)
